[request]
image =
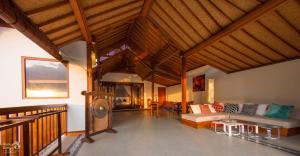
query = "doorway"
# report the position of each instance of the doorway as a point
(161, 95)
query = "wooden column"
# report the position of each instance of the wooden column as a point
(88, 94)
(152, 81)
(183, 83)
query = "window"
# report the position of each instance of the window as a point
(44, 78)
(211, 91)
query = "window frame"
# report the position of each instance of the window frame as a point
(23, 67)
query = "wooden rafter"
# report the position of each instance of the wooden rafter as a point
(146, 7)
(80, 17)
(165, 59)
(16, 18)
(47, 7)
(254, 15)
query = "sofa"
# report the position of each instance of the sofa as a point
(289, 126)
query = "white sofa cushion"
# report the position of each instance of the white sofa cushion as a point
(285, 123)
(196, 109)
(261, 109)
(205, 117)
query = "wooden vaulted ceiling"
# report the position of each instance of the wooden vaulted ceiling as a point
(231, 35)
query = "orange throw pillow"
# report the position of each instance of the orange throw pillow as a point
(205, 109)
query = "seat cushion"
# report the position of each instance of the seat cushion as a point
(205, 117)
(285, 123)
(279, 111)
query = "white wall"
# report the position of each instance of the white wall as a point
(123, 77)
(174, 92)
(13, 45)
(277, 83)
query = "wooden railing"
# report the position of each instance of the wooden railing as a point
(49, 122)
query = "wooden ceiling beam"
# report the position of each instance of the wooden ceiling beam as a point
(146, 7)
(80, 17)
(69, 41)
(47, 7)
(12, 15)
(68, 14)
(165, 59)
(110, 47)
(4, 24)
(125, 20)
(167, 74)
(112, 9)
(251, 16)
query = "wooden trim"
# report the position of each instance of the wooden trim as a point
(81, 19)
(23, 66)
(260, 10)
(75, 133)
(205, 124)
(14, 110)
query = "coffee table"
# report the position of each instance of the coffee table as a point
(229, 125)
(252, 128)
(269, 129)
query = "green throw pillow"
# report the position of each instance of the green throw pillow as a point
(279, 111)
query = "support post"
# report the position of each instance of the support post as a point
(152, 85)
(88, 99)
(183, 83)
(59, 132)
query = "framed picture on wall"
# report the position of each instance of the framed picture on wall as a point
(44, 78)
(199, 83)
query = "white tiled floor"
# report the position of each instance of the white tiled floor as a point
(142, 135)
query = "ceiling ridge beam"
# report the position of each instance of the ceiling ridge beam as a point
(251, 16)
(146, 8)
(17, 19)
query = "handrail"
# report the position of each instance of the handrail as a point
(12, 110)
(49, 123)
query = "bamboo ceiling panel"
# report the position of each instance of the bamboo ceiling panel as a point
(207, 32)
(270, 38)
(191, 22)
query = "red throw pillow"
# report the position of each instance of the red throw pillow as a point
(205, 109)
(218, 107)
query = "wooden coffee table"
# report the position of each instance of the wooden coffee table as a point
(269, 129)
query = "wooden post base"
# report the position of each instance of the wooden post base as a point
(110, 130)
(87, 140)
